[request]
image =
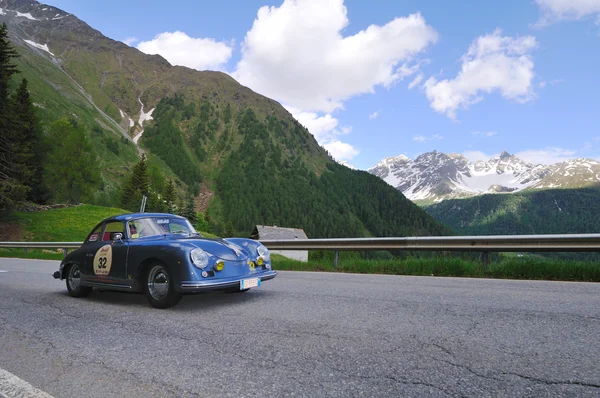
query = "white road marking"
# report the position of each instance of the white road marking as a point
(2, 271)
(12, 386)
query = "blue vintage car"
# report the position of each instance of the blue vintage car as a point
(162, 256)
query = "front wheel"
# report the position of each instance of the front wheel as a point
(160, 290)
(74, 282)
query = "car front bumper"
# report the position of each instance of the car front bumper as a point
(208, 284)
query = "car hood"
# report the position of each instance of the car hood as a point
(222, 249)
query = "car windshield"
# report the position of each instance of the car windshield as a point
(153, 226)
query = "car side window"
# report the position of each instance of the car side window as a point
(95, 236)
(112, 228)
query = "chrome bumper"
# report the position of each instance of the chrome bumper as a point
(208, 285)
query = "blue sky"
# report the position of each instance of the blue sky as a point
(484, 76)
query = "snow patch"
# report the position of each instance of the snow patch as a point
(40, 46)
(26, 15)
(137, 137)
(144, 116)
(57, 18)
(2, 12)
(131, 123)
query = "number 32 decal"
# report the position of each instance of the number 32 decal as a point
(103, 260)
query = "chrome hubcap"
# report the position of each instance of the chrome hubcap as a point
(74, 277)
(158, 282)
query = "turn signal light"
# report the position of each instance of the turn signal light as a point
(260, 261)
(219, 266)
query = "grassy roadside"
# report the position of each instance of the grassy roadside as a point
(534, 268)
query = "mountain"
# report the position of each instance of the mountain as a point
(243, 156)
(548, 211)
(436, 176)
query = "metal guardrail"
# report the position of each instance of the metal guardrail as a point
(498, 243)
(483, 244)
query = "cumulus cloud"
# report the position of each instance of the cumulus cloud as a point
(297, 54)
(130, 40)
(485, 133)
(556, 10)
(180, 49)
(341, 151)
(422, 138)
(325, 130)
(374, 115)
(548, 155)
(493, 63)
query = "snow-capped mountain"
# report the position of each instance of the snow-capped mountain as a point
(435, 176)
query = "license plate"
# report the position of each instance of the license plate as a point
(248, 283)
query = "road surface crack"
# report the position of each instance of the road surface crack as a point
(553, 382)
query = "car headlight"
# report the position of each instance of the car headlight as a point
(199, 258)
(264, 253)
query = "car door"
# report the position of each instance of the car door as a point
(106, 257)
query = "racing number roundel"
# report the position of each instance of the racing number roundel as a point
(103, 260)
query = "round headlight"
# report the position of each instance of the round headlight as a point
(264, 253)
(199, 258)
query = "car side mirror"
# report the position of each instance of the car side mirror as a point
(117, 236)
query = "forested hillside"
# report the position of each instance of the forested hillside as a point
(212, 149)
(552, 211)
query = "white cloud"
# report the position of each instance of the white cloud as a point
(485, 133)
(130, 40)
(548, 155)
(556, 10)
(492, 63)
(180, 49)
(475, 156)
(374, 115)
(297, 54)
(553, 82)
(325, 130)
(341, 151)
(596, 139)
(416, 81)
(422, 138)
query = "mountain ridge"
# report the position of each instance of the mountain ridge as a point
(435, 176)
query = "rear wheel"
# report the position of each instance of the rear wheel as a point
(160, 290)
(73, 281)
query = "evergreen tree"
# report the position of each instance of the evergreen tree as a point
(229, 233)
(32, 151)
(136, 186)
(190, 212)
(201, 224)
(169, 196)
(11, 188)
(72, 169)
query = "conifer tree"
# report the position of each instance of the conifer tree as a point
(169, 196)
(190, 212)
(11, 189)
(32, 149)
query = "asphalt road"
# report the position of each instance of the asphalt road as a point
(305, 334)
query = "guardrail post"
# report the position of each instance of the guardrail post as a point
(484, 260)
(335, 261)
(65, 251)
(25, 250)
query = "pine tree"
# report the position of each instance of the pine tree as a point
(190, 211)
(229, 233)
(11, 189)
(169, 196)
(32, 151)
(136, 186)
